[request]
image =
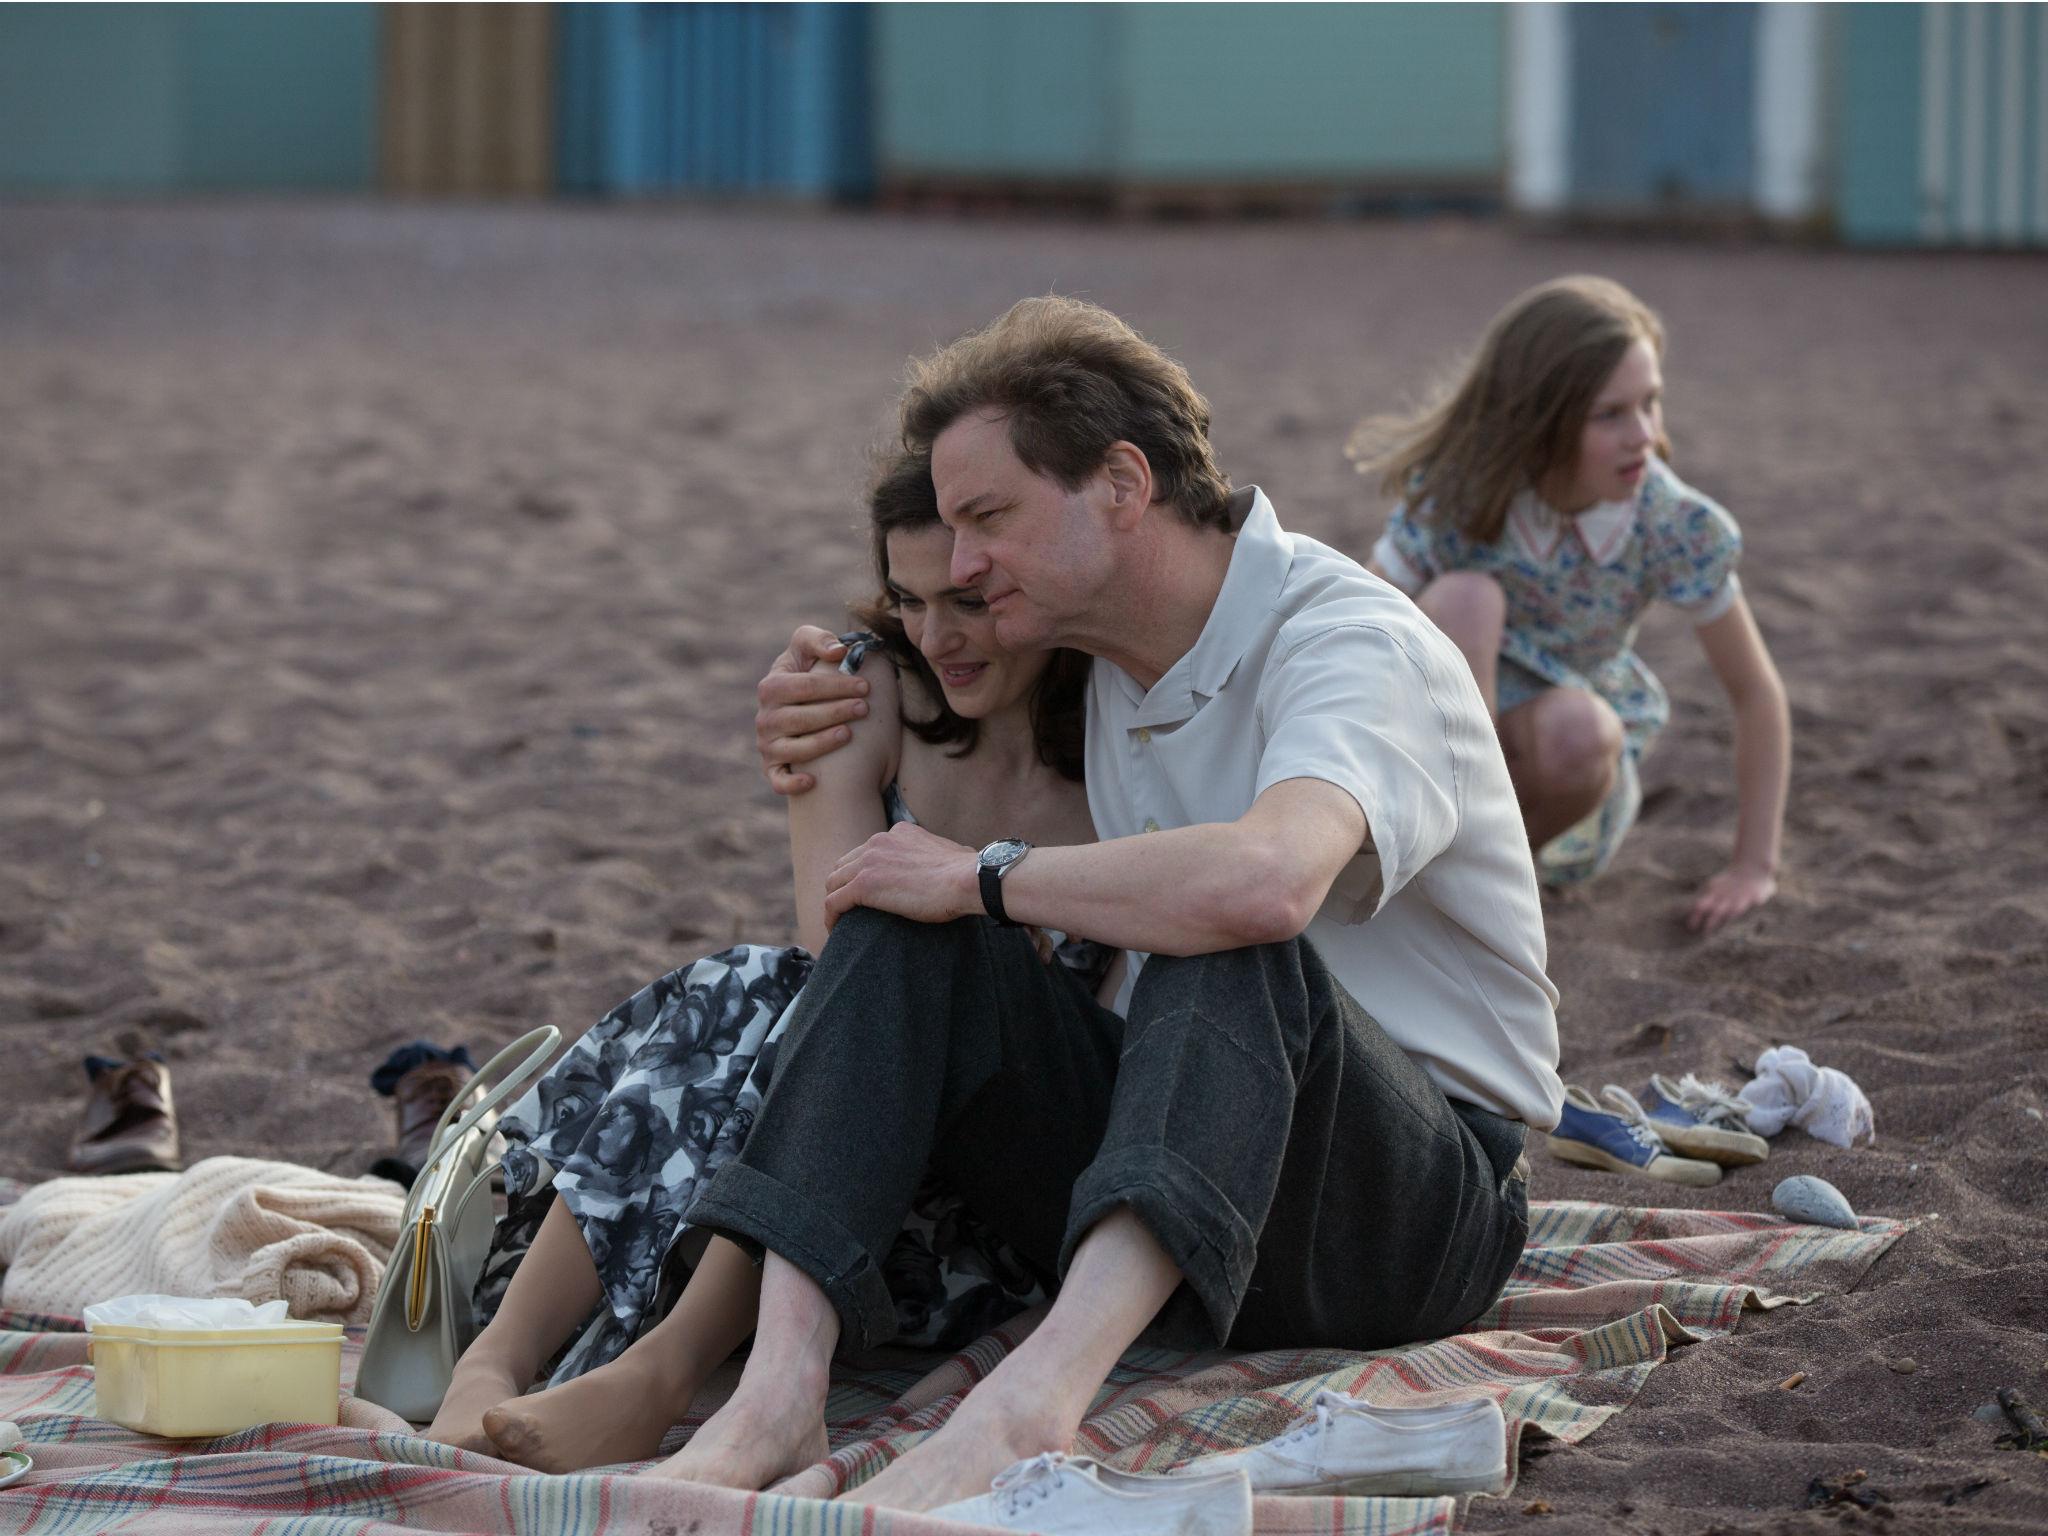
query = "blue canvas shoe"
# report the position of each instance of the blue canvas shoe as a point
(1593, 1137)
(1697, 1118)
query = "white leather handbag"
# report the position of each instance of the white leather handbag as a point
(424, 1319)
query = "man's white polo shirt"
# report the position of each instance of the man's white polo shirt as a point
(1309, 667)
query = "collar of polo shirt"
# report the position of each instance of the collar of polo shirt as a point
(1258, 572)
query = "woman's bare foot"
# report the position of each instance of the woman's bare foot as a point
(959, 1460)
(615, 1413)
(480, 1383)
(756, 1439)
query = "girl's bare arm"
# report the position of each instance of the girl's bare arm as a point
(1763, 765)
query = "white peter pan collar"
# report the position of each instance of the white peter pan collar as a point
(1602, 528)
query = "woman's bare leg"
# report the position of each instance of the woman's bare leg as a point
(774, 1426)
(1035, 1400)
(1563, 749)
(621, 1410)
(1473, 611)
(553, 1290)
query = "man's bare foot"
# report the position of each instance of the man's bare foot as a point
(480, 1383)
(616, 1413)
(754, 1440)
(962, 1457)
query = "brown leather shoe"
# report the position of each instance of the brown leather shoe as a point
(422, 1097)
(419, 1099)
(129, 1125)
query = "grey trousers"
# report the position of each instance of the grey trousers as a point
(1313, 1184)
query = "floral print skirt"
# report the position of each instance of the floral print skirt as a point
(646, 1107)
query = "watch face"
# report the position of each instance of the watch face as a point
(1005, 851)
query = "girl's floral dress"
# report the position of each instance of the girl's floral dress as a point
(1577, 588)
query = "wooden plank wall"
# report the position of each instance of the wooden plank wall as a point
(467, 106)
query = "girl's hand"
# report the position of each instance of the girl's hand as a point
(1730, 894)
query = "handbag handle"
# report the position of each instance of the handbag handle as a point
(535, 1047)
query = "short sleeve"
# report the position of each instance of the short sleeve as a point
(1693, 550)
(1403, 552)
(1350, 706)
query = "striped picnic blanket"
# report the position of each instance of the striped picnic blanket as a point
(1602, 1293)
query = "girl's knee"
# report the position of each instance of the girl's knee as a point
(1464, 600)
(1578, 739)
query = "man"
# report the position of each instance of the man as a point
(1302, 1123)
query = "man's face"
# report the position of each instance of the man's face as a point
(1038, 553)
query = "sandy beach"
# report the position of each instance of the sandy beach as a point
(382, 591)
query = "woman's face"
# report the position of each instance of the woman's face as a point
(1622, 428)
(953, 628)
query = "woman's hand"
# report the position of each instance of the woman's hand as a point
(908, 871)
(1729, 894)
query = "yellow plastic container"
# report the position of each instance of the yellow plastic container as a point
(189, 1382)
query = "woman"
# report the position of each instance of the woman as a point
(962, 737)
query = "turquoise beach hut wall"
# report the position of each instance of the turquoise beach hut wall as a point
(1121, 98)
(1942, 137)
(713, 98)
(129, 99)
(1883, 124)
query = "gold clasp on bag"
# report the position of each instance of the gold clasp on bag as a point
(416, 1291)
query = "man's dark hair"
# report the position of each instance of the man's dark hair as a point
(1069, 379)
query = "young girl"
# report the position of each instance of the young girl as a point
(596, 1250)
(1540, 520)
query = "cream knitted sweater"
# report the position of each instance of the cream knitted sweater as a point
(228, 1226)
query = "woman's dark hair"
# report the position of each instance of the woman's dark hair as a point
(902, 497)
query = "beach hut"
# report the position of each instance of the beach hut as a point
(733, 99)
(148, 99)
(1158, 104)
(1942, 135)
(1656, 113)
(1883, 124)
(466, 104)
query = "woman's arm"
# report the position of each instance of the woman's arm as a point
(1763, 766)
(845, 809)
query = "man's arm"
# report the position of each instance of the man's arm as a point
(1189, 891)
(805, 710)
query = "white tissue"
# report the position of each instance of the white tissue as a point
(185, 1312)
(1822, 1101)
(10, 1435)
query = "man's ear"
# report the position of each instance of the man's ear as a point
(1127, 475)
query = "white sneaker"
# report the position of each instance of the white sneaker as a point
(1064, 1496)
(1348, 1447)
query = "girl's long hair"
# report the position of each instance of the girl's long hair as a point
(1513, 421)
(902, 498)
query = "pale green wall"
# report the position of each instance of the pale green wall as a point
(1008, 90)
(1314, 91)
(1191, 92)
(156, 98)
(89, 96)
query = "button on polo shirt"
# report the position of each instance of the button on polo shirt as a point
(1311, 668)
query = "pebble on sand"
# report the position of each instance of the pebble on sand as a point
(1806, 1198)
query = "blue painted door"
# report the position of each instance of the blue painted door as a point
(714, 97)
(1662, 113)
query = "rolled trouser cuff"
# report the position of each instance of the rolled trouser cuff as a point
(759, 1212)
(1210, 1243)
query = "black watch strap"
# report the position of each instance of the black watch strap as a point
(992, 895)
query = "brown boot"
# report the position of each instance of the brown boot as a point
(129, 1125)
(419, 1100)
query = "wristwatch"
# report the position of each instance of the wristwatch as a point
(997, 860)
